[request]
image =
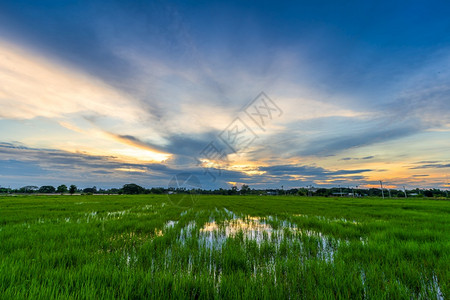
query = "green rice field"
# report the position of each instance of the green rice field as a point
(224, 247)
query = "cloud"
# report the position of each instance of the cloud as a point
(13, 167)
(33, 86)
(136, 142)
(432, 166)
(308, 171)
(332, 145)
(323, 137)
(23, 164)
(357, 158)
(60, 165)
(148, 85)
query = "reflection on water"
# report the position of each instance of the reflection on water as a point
(170, 224)
(252, 229)
(214, 234)
(430, 286)
(435, 287)
(272, 240)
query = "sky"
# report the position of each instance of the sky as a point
(265, 93)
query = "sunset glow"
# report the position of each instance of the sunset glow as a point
(113, 101)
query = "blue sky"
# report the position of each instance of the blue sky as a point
(104, 94)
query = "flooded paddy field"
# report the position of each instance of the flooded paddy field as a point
(253, 247)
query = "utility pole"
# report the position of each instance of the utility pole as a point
(353, 192)
(404, 190)
(382, 193)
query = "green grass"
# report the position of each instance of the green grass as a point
(91, 247)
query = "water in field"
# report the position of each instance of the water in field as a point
(220, 228)
(221, 249)
(219, 241)
(249, 228)
(258, 245)
(266, 240)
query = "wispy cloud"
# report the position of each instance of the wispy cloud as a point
(431, 166)
(33, 86)
(140, 89)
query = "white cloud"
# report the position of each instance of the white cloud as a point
(33, 86)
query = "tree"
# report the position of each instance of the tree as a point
(245, 189)
(158, 190)
(47, 189)
(132, 189)
(62, 189)
(233, 190)
(4, 190)
(322, 192)
(428, 193)
(302, 192)
(28, 189)
(113, 191)
(91, 190)
(72, 189)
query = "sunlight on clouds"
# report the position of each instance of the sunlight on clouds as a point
(246, 169)
(33, 86)
(140, 154)
(209, 164)
(36, 87)
(304, 109)
(134, 150)
(135, 143)
(444, 128)
(133, 170)
(191, 100)
(71, 127)
(377, 186)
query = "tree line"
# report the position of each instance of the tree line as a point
(134, 189)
